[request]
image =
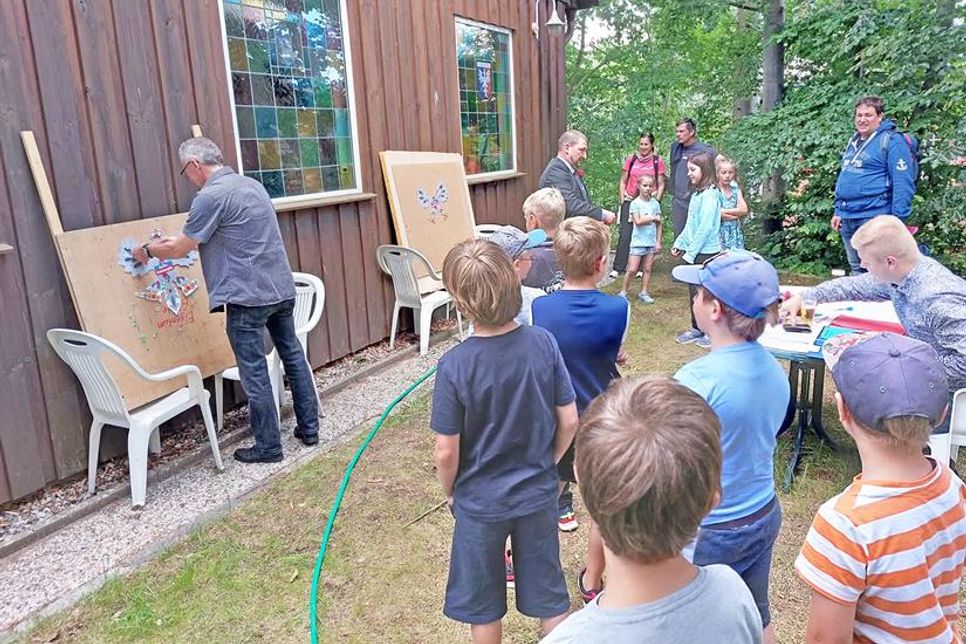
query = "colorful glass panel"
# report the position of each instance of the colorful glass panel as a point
(289, 85)
(486, 108)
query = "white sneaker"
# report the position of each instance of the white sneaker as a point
(614, 274)
(640, 274)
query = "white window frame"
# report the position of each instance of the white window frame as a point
(293, 201)
(480, 177)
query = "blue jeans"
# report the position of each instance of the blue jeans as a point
(848, 228)
(747, 550)
(246, 327)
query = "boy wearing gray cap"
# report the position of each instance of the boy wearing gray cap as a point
(884, 558)
(518, 245)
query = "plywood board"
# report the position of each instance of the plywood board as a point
(157, 313)
(430, 202)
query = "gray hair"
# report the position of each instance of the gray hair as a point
(202, 150)
(570, 137)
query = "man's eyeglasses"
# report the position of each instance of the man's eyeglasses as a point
(185, 166)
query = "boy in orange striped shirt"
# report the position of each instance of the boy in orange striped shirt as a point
(884, 558)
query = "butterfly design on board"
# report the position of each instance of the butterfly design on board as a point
(168, 287)
(434, 203)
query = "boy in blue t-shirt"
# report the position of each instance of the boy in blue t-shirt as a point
(737, 296)
(589, 327)
(645, 212)
(504, 414)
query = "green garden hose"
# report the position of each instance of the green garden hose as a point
(314, 593)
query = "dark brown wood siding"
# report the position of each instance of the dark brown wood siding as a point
(111, 87)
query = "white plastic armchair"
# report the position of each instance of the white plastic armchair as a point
(945, 447)
(482, 231)
(400, 263)
(309, 303)
(84, 354)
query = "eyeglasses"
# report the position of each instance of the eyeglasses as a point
(185, 166)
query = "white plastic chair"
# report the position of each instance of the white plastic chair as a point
(84, 353)
(400, 263)
(946, 446)
(309, 302)
(482, 231)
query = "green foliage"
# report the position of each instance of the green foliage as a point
(667, 59)
(838, 50)
(641, 79)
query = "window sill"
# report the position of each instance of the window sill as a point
(318, 202)
(494, 176)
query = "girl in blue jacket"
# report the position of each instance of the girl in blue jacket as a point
(700, 240)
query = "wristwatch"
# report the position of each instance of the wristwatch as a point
(147, 251)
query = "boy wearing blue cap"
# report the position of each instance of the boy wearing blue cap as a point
(737, 296)
(884, 559)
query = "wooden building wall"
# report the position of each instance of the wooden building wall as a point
(111, 87)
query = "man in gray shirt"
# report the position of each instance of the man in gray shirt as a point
(233, 225)
(686, 146)
(930, 300)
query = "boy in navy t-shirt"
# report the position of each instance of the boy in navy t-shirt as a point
(504, 414)
(737, 296)
(589, 327)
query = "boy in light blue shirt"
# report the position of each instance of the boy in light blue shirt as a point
(737, 295)
(645, 212)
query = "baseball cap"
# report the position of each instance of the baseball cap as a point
(514, 241)
(742, 280)
(887, 375)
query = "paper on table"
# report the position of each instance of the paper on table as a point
(778, 339)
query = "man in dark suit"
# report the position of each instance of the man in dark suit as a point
(561, 173)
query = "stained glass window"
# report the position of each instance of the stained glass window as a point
(486, 97)
(291, 94)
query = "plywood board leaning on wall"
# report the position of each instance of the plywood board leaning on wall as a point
(157, 312)
(430, 203)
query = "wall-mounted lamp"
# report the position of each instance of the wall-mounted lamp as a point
(555, 25)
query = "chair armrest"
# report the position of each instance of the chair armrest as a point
(190, 371)
(436, 275)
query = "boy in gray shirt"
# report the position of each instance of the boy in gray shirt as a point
(648, 466)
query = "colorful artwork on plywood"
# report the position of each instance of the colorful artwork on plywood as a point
(435, 203)
(168, 287)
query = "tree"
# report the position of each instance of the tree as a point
(709, 58)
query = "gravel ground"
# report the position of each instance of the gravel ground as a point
(22, 516)
(59, 569)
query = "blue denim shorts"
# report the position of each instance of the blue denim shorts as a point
(747, 550)
(476, 589)
(641, 251)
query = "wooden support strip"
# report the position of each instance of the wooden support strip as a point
(5, 248)
(40, 180)
(196, 131)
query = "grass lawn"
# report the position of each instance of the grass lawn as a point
(246, 576)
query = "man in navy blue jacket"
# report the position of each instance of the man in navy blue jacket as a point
(878, 175)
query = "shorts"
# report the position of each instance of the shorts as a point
(747, 550)
(476, 589)
(642, 251)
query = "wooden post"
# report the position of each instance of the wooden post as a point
(196, 131)
(40, 180)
